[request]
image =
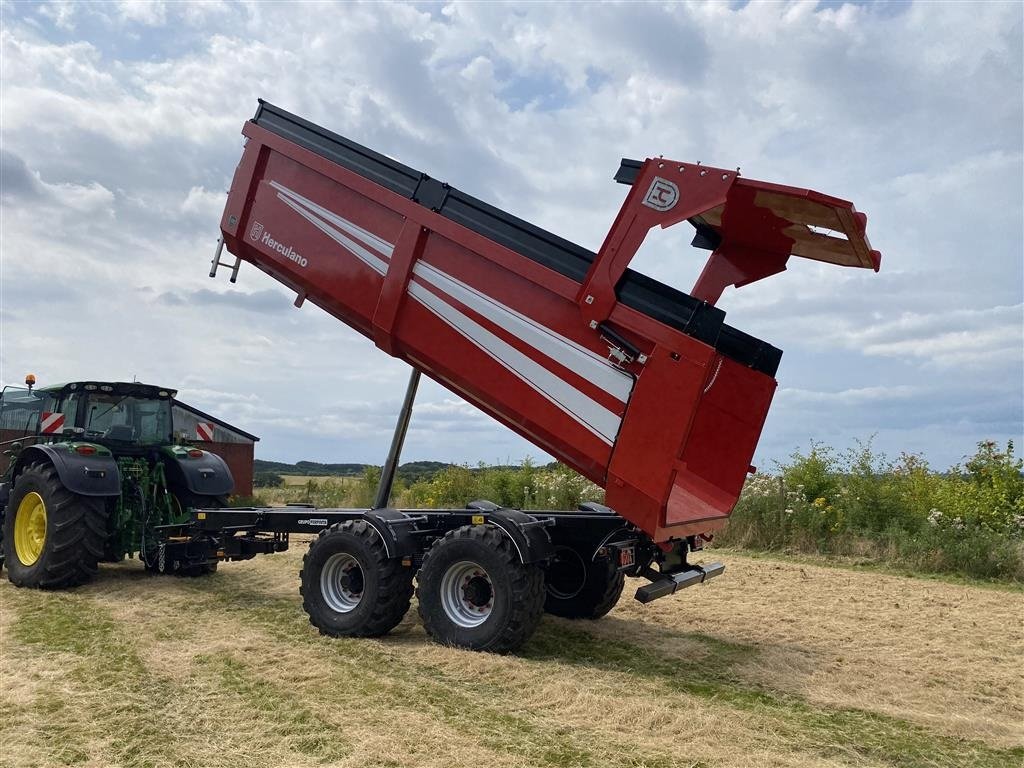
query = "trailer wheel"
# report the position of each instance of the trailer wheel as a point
(349, 585)
(578, 588)
(475, 593)
(52, 538)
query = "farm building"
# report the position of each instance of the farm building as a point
(232, 444)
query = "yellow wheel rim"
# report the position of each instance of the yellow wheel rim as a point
(30, 528)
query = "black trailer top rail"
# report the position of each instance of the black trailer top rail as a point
(654, 299)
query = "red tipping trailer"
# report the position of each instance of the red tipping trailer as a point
(642, 388)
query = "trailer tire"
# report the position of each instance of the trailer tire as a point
(349, 585)
(475, 593)
(578, 588)
(59, 533)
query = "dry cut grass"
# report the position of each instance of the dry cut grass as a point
(775, 663)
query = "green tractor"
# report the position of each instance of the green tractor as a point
(96, 474)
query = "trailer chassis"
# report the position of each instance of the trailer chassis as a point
(568, 549)
(523, 562)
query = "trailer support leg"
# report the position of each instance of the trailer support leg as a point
(387, 475)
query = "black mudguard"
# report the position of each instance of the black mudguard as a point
(207, 475)
(85, 475)
(527, 533)
(395, 529)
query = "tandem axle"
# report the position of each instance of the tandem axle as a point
(471, 565)
(485, 574)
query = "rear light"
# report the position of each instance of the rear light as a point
(85, 450)
(195, 453)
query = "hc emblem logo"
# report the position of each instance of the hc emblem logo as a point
(256, 232)
(663, 194)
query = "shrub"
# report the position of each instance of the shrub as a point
(267, 480)
(968, 521)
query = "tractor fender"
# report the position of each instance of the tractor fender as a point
(395, 530)
(95, 475)
(206, 475)
(532, 542)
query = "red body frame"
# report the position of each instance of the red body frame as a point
(669, 435)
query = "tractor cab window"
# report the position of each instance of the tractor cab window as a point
(127, 419)
(19, 411)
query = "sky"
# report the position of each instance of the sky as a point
(120, 131)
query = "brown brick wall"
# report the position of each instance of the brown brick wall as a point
(239, 458)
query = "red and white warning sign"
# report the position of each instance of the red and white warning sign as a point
(51, 423)
(204, 431)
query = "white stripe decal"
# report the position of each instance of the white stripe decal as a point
(581, 361)
(365, 236)
(585, 363)
(369, 259)
(592, 415)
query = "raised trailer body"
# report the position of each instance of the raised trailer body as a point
(640, 387)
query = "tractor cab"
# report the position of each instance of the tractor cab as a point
(119, 415)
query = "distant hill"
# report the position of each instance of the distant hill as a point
(410, 472)
(308, 468)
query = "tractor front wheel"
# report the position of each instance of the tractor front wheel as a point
(52, 538)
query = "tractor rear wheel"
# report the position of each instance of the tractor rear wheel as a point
(349, 585)
(475, 593)
(581, 588)
(52, 538)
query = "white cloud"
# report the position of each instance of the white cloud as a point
(202, 202)
(151, 13)
(850, 397)
(123, 124)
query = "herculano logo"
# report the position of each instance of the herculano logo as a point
(258, 234)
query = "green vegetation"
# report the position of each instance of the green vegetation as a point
(410, 472)
(267, 479)
(526, 487)
(967, 521)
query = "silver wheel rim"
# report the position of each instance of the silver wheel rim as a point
(467, 594)
(574, 571)
(341, 582)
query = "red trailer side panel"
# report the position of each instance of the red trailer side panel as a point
(593, 364)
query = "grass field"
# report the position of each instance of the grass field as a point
(776, 663)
